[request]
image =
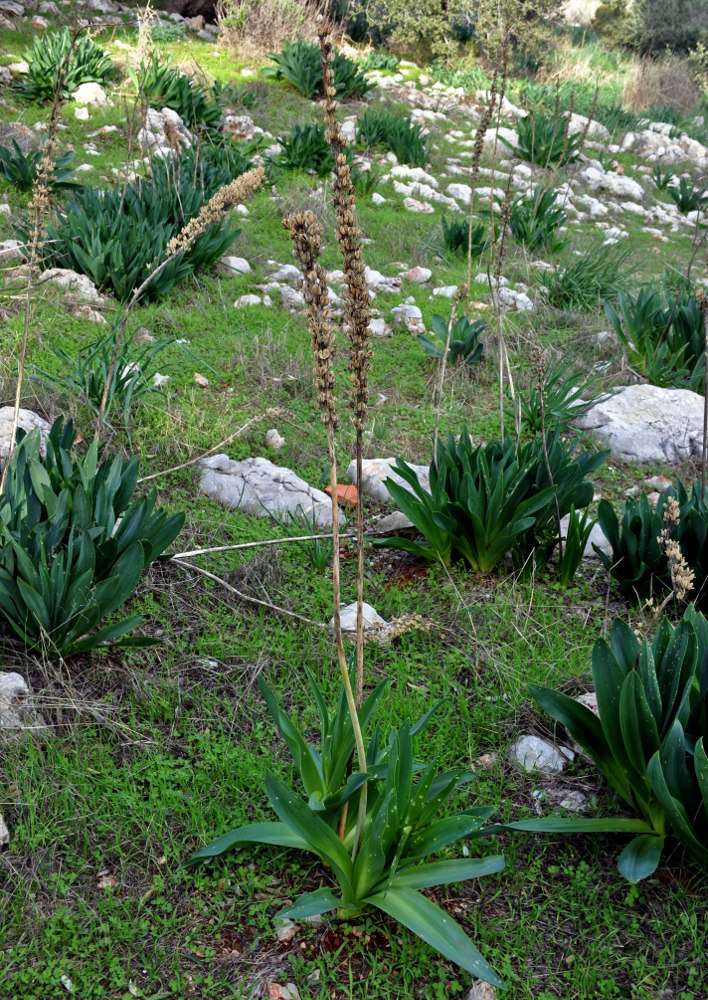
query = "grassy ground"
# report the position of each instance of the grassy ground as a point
(147, 755)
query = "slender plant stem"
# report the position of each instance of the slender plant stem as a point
(359, 575)
(341, 656)
(461, 294)
(254, 545)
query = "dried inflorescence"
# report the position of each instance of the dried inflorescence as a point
(215, 209)
(356, 295)
(682, 576)
(306, 233)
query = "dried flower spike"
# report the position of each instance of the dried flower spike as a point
(306, 233)
(355, 294)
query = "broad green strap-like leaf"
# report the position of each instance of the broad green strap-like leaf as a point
(321, 840)
(311, 904)
(442, 872)
(639, 729)
(586, 729)
(701, 764)
(436, 928)
(676, 812)
(579, 824)
(640, 857)
(433, 838)
(256, 833)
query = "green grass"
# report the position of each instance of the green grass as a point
(148, 755)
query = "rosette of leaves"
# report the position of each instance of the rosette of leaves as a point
(396, 131)
(663, 334)
(115, 236)
(637, 561)
(487, 502)
(543, 140)
(688, 197)
(568, 392)
(403, 827)
(300, 64)
(649, 739)
(160, 84)
(456, 237)
(56, 55)
(305, 148)
(535, 219)
(74, 543)
(464, 340)
(21, 169)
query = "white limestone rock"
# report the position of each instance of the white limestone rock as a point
(374, 473)
(531, 753)
(17, 711)
(91, 94)
(257, 486)
(647, 423)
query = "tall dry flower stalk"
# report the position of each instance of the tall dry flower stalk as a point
(357, 313)
(306, 234)
(147, 19)
(210, 214)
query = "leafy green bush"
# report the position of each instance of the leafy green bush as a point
(649, 740)
(73, 543)
(637, 561)
(663, 334)
(56, 54)
(688, 197)
(535, 219)
(404, 797)
(543, 141)
(115, 236)
(489, 501)
(456, 237)
(395, 131)
(464, 340)
(20, 169)
(300, 64)
(305, 148)
(596, 275)
(161, 85)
